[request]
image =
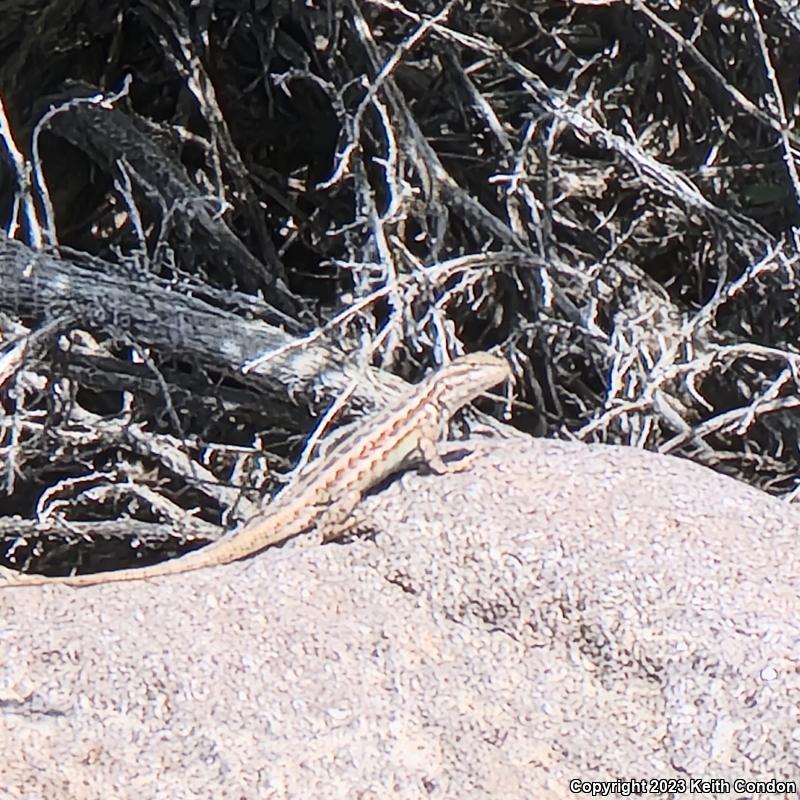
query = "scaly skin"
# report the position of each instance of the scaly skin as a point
(327, 491)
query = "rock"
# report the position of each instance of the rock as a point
(557, 612)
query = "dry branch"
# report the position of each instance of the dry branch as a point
(605, 191)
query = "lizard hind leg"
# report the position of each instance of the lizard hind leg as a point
(341, 519)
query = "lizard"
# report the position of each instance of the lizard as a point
(326, 492)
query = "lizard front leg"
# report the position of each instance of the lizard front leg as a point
(429, 450)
